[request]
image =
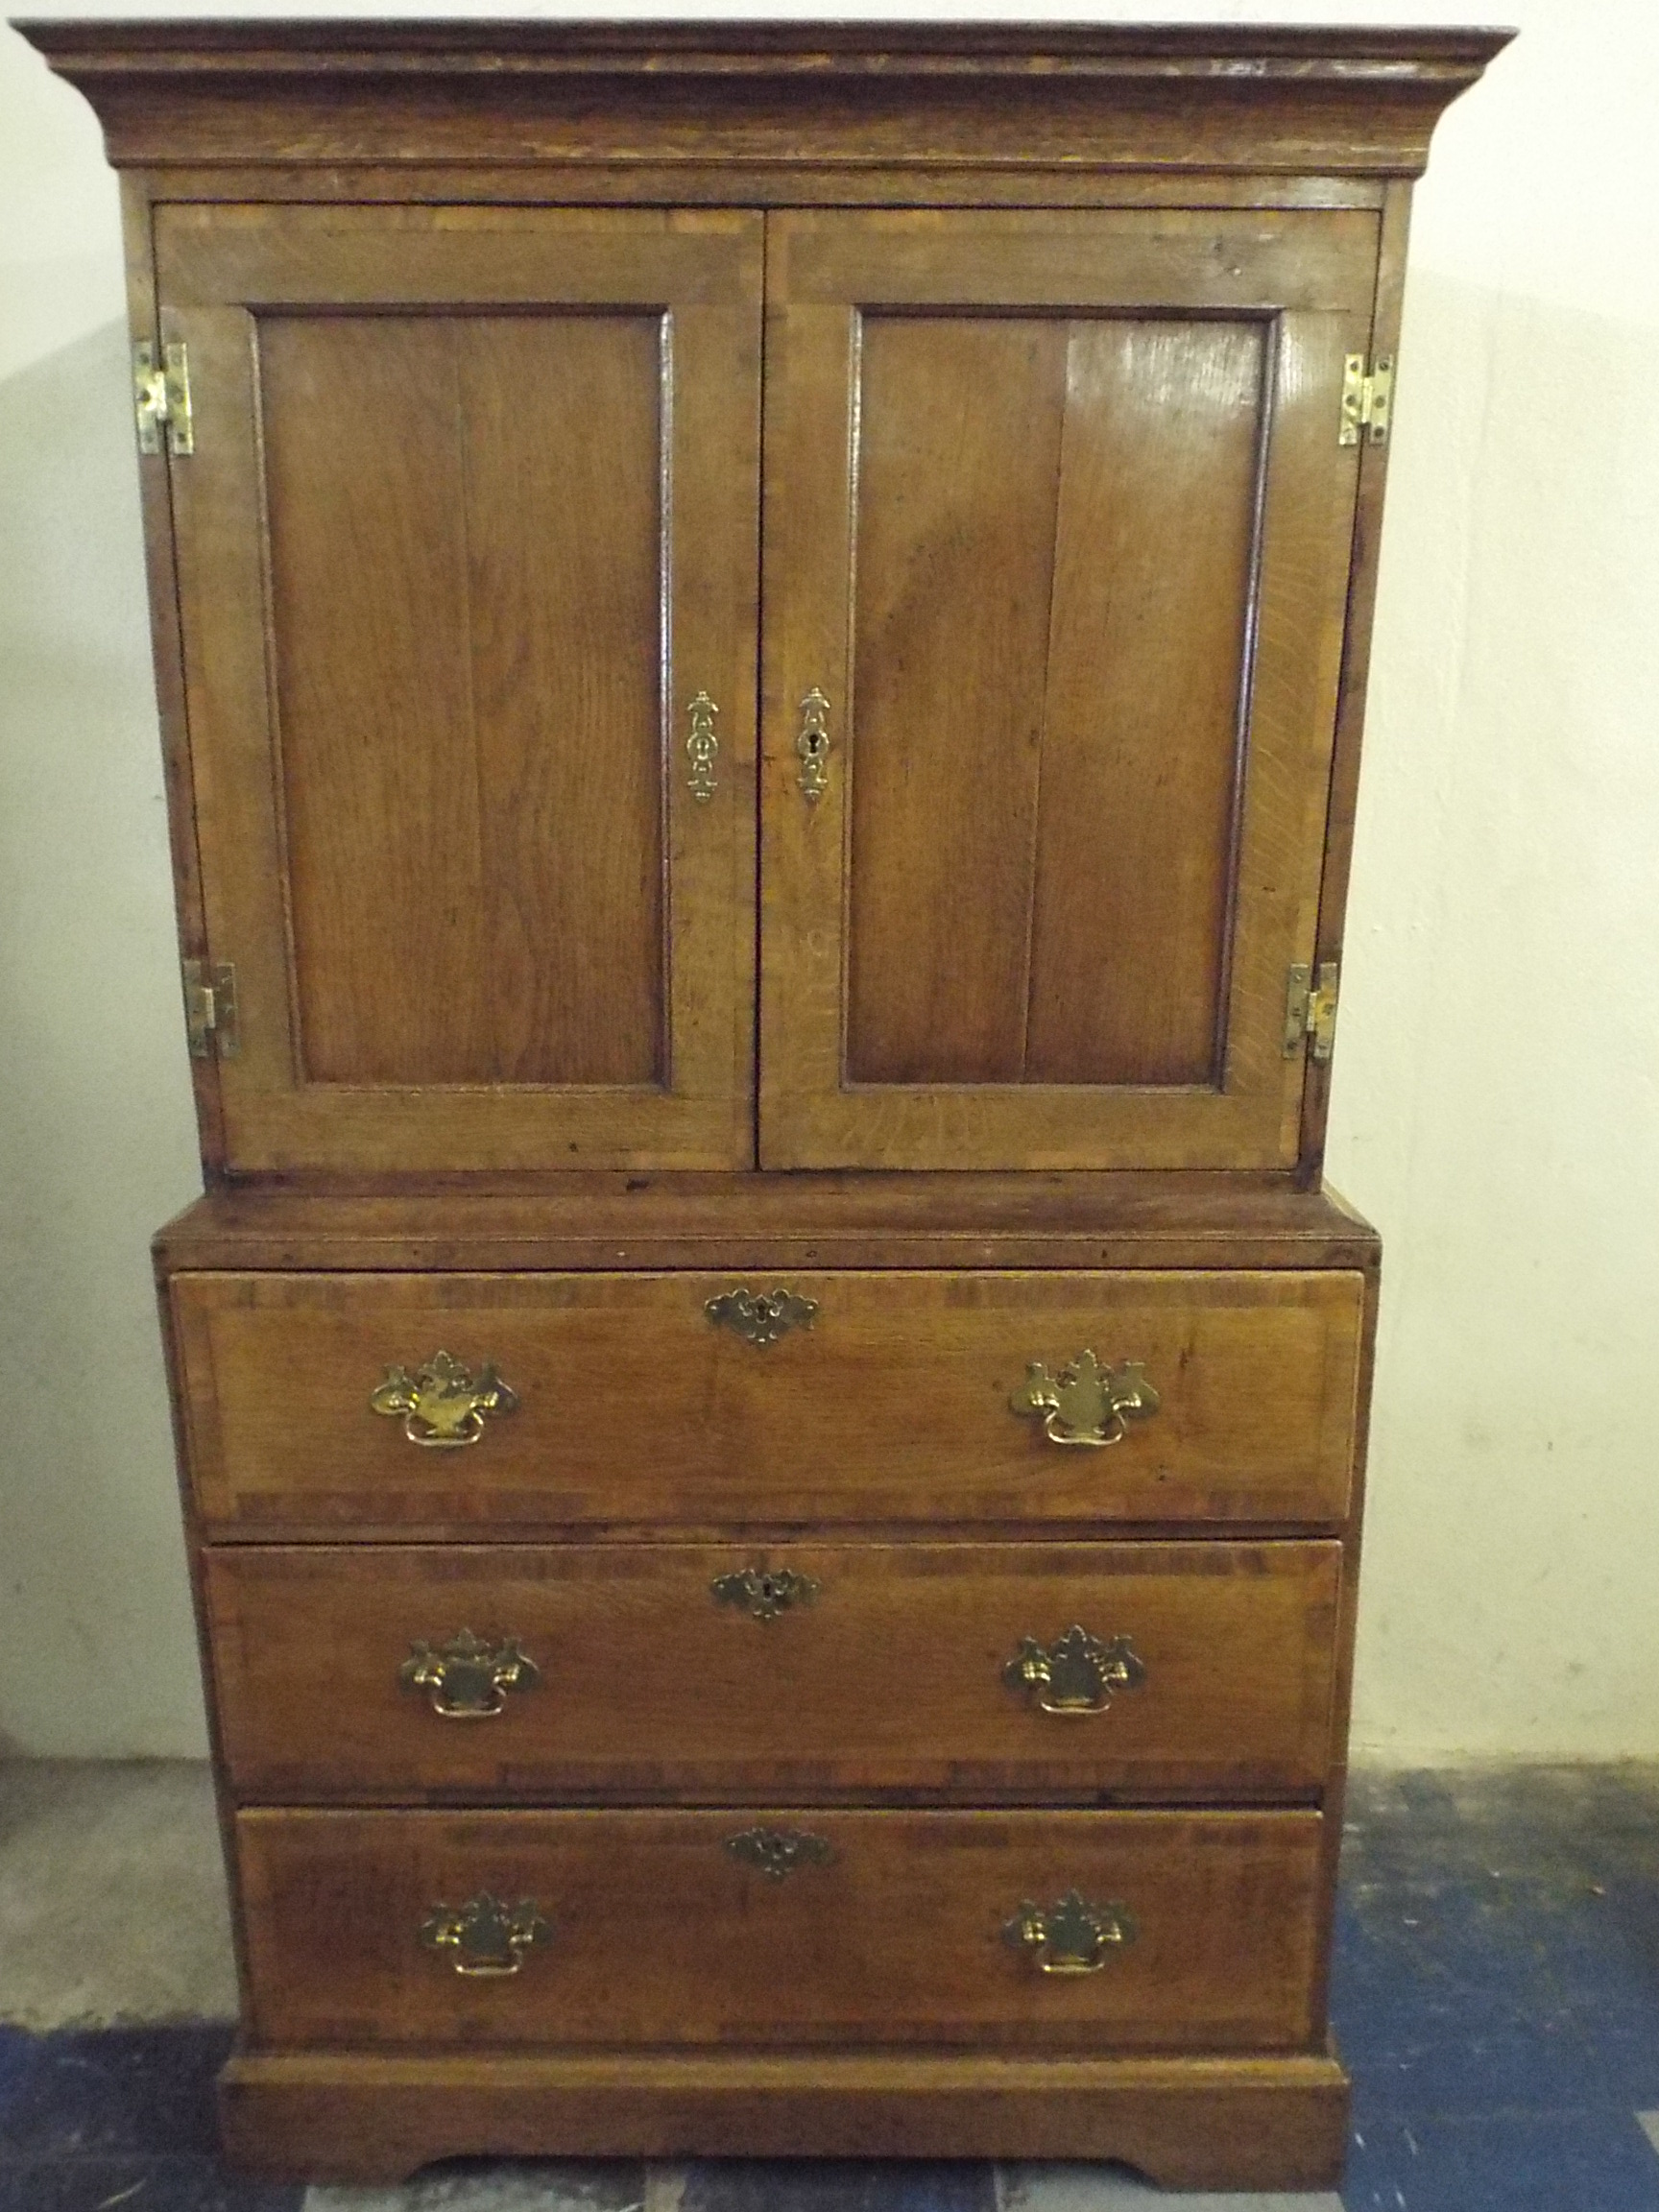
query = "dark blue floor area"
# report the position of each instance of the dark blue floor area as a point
(1496, 1996)
(1495, 1991)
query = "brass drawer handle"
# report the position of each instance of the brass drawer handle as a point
(1076, 1675)
(763, 1593)
(468, 1680)
(486, 1936)
(1086, 1403)
(760, 1318)
(442, 1404)
(1073, 1936)
(813, 746)
(779, 1851)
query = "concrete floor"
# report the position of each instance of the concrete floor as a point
(112, 1905)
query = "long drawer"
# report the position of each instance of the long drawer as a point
(720, 1672)
(681, 1401)
(1097, 1931)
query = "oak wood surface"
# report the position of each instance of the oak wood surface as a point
(1358, 102)
(506, 850)
(956, 520)
(450, 577)
(606, 1221)
(1223, 2123)
(886, 1680)
(893, 1406)
(659, 1935)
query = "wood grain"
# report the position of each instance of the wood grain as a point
(660, 1936)
(959, 431)
(1194, 2123)
(565, 463)
(363, 481)
(892, 1407)
(651, 1690)
(771, 1222)
(1199, 98)
(1144, 704)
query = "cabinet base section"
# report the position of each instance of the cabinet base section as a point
(1234, 2122)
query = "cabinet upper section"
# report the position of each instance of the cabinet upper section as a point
(783, 595)
(774, 96)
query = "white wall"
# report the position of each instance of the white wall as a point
(1495, 1104)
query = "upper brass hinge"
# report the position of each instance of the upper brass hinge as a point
(1367, 399)
(210, 1009)
(1310, 1010)
(162, 396)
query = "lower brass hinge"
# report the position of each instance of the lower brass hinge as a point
(1367, 399)
(210, 1010)
(1310, 1010)
(161, 397)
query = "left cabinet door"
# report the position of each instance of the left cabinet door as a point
(466, 555)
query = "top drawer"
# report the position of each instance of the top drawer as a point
(629, 1403)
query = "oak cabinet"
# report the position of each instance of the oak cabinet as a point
(761, 638)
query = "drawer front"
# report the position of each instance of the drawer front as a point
(618, 1400)
(716, 1672)
(1189, 1931)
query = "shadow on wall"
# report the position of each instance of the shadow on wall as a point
(97, 1140)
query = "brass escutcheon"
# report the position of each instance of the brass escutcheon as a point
(486, 1936)
(764, 1592)
(779, 1851)
(442, 1404)
(1086, 1403)
(1073, 1936)
(1076, 1675)
(702, 745)
(468, 1680)
(759, 1318)
(813, 746)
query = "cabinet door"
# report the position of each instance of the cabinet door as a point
(1058, 531)
(470, 524)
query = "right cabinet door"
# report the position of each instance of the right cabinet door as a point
(1057, 534)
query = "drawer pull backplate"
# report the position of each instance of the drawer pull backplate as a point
(1073, 1936)
(442, 1404)
(1086, 1403)
(486, 1936)
(468, 1680)
(1076, 1674)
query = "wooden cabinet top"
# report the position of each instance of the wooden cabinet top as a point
(1252, 99)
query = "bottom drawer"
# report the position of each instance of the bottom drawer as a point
(1094, 1931)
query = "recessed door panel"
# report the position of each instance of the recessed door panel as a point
(1058, 530)
(469, 523)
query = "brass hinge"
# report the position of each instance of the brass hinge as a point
(1310, 1010)
(1367, 397)
(210, 1009)
(162, 396)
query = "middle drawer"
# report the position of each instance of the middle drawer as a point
(720, 1673)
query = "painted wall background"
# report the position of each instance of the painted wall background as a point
(1495, 1110)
